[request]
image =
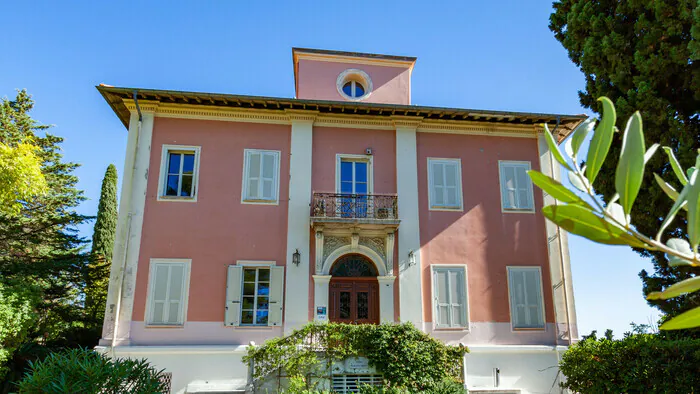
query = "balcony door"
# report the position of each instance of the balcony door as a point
(354, 184)
(354, 291)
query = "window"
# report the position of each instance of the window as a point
(516, 187)
(353, 177)
(526, 302)
(261, 176)
(179, 172)
(254, 294)
(354, 84)
(352, 383)
(167, 294)
(445, 184)
(450, 297)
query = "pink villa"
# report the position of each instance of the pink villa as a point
(242, 218)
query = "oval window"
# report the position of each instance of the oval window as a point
(353, 89)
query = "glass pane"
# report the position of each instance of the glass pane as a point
(186, 190)
(176, 278)
(261, 317)
(523, 199)
(510, 199)
(360, 188)
(455, 286)
(264, 275)
(263, 303)
(247, 317)
(188, 164)
(520, 319)
(359, 90)
(263, 289)
(360, 171)
(174, 312)
(347, 89)
(254, 170)
(158, 312)
(171, 185)
(510, 177)
(248, 302)
(346, 171)
(174, 163)
(346, 187)
(451, 175)
(437, 174)
(344, 305)
(249, 289)
(249, 275)
(268, 166)
(532, 291)
(267, 189)
(362, 305)
(442, 287)
(161, 285)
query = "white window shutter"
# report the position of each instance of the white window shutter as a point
(533, 298)
(440, 293)
(437, 172)
(160, 293)
(517, 298)
(232, 315)
(524, 188)
(253, 175)
(175, 293)
(274, 317)
(268, 168)
(451, 175)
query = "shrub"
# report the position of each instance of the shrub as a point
(86, 371)
(641, 363)
(405, 356)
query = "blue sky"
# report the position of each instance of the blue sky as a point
(480, 55)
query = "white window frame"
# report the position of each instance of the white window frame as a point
(501, 185)
(340, 157)
(151, 290)
(275, 181)
(510, 299)
(165, 153)
(460, 197)
(433, 268)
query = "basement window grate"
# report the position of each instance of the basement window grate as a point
(351, 383)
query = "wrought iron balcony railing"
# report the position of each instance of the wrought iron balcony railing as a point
(354, 206)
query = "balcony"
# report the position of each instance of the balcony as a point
(355, 209)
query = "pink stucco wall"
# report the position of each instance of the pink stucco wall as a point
(216, 230)
(480, 236)
(316, 80)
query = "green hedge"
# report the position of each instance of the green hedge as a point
(642, 363)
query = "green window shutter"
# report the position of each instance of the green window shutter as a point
(232, 313)
(253, 175)
(276, 296)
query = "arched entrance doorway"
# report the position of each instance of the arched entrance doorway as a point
(354, 290)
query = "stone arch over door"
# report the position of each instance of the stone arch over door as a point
(370, 254)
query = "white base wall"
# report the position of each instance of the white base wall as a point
(522, 369)
(195, 369)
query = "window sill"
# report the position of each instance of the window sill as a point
(447, 209)
(178, 199)
(525, 329)
(264, 328)
(171, 326)
(517, 210)
(261, 202)
(451, 329)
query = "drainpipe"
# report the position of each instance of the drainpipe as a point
(122, 271)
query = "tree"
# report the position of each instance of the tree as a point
(20, 176)
(643, 55)
(97, 278)
(40, 247)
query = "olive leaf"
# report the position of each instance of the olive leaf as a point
(602, 138)
(681, 246)
(579, 135)
(576, 182)
(580, 220)
(554, 188)
(676, 166)
(693, 199)
(676, 289)
(650, 152)
(668, 189)
(552, 144)
(687, 319)
(630, 167)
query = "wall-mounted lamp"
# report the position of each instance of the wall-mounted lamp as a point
(411, 258)
(296, 258)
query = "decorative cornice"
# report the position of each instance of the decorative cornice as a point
(406, 122)
(354, 60)
(214, 113)
(354, 122)
(302, 116)
(478, 128)
(148, 106)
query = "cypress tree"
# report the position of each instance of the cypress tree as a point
(97, 279)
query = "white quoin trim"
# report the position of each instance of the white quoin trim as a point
(360, 249)
(296, 314)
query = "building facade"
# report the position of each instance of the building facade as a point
(242, 218)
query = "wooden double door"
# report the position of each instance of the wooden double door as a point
(354, 300)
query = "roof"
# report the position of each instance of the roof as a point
(115, 96)
(296, 51)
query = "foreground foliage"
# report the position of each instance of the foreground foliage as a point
(611, 223)
(643, 54)
(86, 371)
(641, 363)
(406, 357)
